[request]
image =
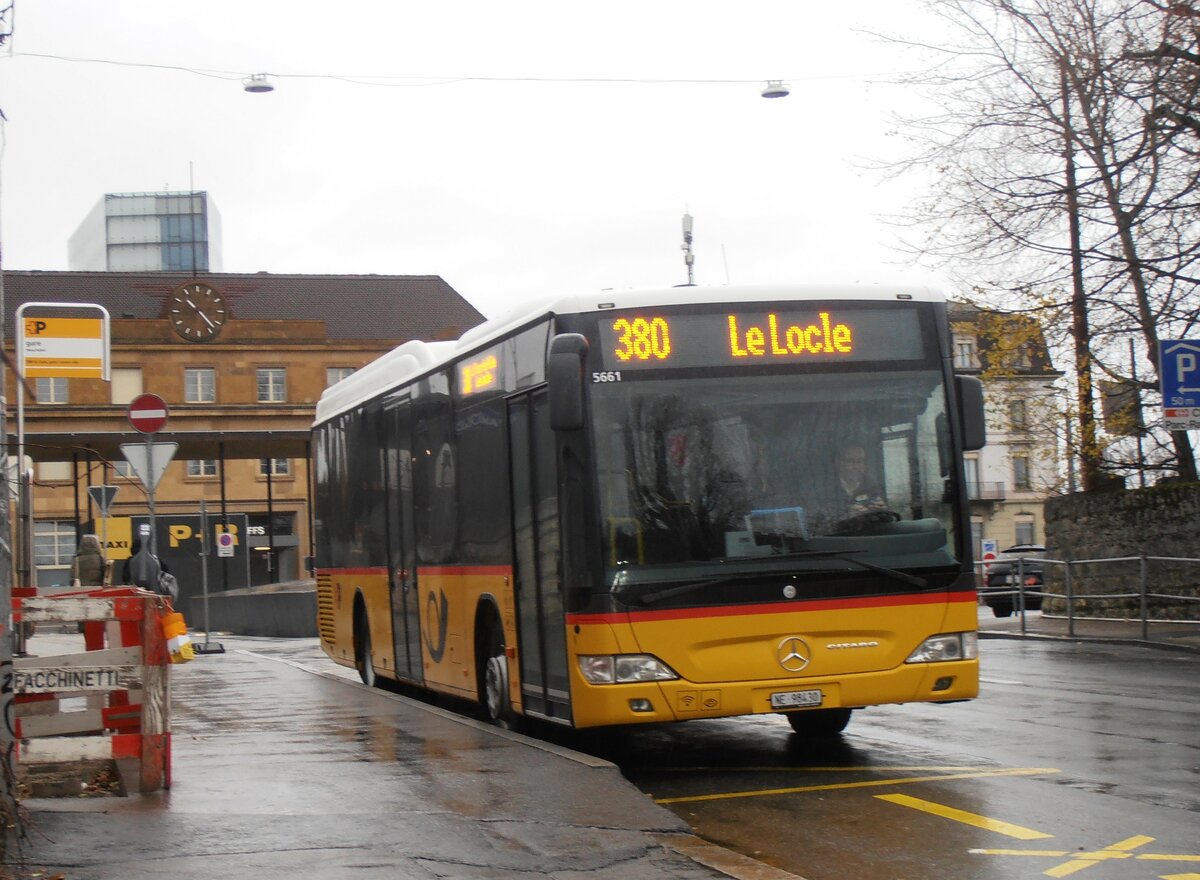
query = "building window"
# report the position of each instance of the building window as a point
(971, 472)
(1020, 466)
(126, 384)
(1023, 531)
(333, 375)
(200, 385)
(276, 467)
(202, 467)
(964, 354)
(122, 468)
(1018, 417)
(272, 385)
(51, 390)
(55, 471)
(53, 541)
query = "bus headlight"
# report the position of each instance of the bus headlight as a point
(951, 646)
(624, 668)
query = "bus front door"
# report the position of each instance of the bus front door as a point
(402, 573)
(541, 636)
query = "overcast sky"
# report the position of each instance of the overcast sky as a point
(480, 151)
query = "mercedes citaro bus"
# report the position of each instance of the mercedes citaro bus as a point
(624, 508)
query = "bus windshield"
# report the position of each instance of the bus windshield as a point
(716, 474)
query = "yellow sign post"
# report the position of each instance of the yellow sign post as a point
(52, 345)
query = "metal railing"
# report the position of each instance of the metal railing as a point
(1118, 589)
(977, 491)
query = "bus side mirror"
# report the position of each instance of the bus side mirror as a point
(970, 412)
(564, 374)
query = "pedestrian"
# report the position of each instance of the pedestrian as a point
(88, 567)
(142, 568)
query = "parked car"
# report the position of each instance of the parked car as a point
(1001, 579)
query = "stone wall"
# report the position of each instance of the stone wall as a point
(287, 611)
(1159, 521)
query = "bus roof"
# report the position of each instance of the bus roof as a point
(415, 358)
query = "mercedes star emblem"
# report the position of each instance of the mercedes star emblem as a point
(793, 654)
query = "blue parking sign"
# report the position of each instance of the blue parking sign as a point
(1179, 377)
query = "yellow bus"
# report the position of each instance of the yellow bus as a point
(659, 505)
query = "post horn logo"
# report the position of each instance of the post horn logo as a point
(793, 654)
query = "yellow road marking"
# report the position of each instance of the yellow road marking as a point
(966, 818)
(872, 783)
(902, 768)
(1080, 861)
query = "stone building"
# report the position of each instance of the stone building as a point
(240, 360)
(1010, 479)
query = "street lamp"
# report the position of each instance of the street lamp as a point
(257, 84)
(775, 89)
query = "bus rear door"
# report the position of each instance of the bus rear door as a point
(402, 573)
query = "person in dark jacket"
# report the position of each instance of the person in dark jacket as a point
(142, 568)
(87, 568)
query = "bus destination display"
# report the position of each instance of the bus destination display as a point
(649, 340)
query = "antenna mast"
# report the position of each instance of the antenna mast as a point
(689, 259)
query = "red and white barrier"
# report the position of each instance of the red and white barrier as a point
(124, 674)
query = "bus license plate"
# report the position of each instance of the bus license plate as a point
(795, 699)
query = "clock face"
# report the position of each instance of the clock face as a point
(197, 311)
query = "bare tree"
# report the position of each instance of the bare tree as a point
(1058, 183)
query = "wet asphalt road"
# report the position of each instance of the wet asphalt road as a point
(1077, 759)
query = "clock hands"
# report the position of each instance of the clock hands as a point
(198, 312)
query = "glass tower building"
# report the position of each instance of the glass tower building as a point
(148, 232)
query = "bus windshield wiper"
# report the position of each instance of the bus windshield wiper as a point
(845, 556)
(841, 555)
(683, 589)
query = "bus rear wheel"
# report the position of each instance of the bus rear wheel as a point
(362, 648)
(494, 677)
(819, 722)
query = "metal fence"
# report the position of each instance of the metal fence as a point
(1146, 589)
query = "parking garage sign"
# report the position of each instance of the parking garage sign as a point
(1179, 376)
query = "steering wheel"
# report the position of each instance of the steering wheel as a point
(868, 519)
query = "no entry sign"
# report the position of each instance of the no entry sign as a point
(148, 413)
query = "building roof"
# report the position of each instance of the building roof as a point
(386, 307)
(1001, 334)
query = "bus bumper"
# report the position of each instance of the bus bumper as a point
(643, 703)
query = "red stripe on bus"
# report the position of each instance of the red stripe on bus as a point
(635, 616)
(443, 570)
(465, 570)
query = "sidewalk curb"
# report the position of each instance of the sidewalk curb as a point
(1097, 640)
(730, 863)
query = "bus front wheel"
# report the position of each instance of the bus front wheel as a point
(819, 722)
